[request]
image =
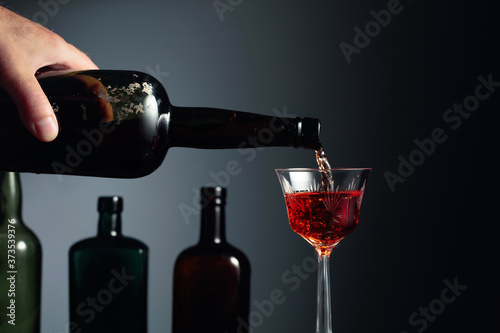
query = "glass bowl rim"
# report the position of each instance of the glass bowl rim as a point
(316, 169)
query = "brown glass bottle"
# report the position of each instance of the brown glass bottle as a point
(121, 124)
(211, 279)
(108, 277)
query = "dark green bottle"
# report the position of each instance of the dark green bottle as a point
(121, 124)
(20, 263)
(108, 277)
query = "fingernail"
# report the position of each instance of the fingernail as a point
(46, 129)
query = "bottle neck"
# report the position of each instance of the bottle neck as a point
(10, 197)
(213, 220)
(110, 225)
(218, 128)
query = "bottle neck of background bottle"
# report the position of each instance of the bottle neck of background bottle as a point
(10, 197)
(213, 219)
(109, 224)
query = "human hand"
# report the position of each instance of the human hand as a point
(29, 51)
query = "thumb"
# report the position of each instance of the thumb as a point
(33, 106)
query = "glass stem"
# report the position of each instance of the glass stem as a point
(324, 313)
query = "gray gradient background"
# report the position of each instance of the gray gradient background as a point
(439, 224)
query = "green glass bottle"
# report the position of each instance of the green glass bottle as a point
(20, 263)
(108, 277)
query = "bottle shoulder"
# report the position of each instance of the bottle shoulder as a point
(107, 242)
(213, 251)
(20, 230)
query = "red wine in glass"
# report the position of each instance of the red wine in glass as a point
(323, 218)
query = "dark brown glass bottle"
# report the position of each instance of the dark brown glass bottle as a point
(212, 279)
(121, 124)
(108, 277)
(20, 263)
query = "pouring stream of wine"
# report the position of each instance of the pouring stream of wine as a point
(323, 164)
(321, 159)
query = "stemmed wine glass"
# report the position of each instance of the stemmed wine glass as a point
(323, 207)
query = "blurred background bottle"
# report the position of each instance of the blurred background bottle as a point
(108, 277)
(211, 291)
(20, 263)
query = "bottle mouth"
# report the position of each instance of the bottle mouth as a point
(213, 194)
(309, 131)
(112, 204)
